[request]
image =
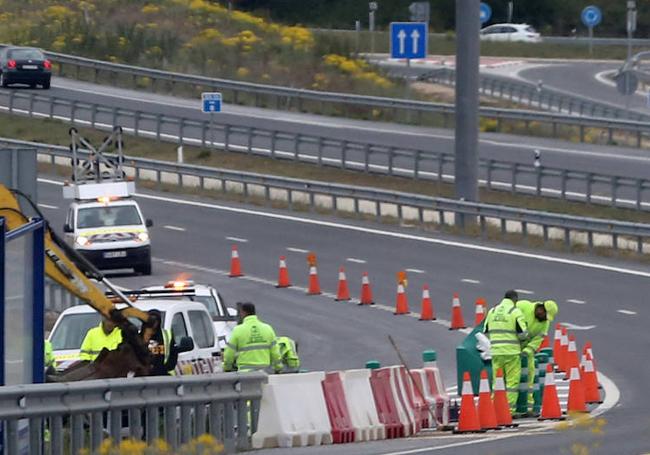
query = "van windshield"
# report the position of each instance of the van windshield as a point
(120, 215)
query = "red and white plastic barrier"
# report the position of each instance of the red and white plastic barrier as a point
(361, 404)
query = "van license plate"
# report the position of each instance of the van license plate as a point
(30, 67)
(115, 254)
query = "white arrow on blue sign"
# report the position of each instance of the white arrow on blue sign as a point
(486, 13)
(408, 40)
(210, 102)
(591, 16)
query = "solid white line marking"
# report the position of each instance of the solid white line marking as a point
(415, 271)
(47, 206)
(470, 281)
(297, 250)
(579, 302)
(568, 325)
(397, 235)
(356, 261)
(237, 239)
(627, 312)
(174, 228)
(524, 291)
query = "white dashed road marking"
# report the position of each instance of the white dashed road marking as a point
(524, 291)
(47, 206)
(631, 313)
(174, 228)
(237, 239)
(297, 250)
(356, 261)
(579, 302)
(416, 271)
(470, 281)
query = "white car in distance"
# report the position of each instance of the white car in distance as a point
(515, 33)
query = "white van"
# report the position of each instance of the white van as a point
(106, 226)
(183, 318)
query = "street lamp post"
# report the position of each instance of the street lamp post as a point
(372, 6)
(631, 28)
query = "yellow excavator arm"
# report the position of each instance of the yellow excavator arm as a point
(68, 272)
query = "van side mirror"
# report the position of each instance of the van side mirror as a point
(148, 223)
(232, 314)
(67, 228)
(186, 344)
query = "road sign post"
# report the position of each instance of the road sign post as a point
(211, 104)
(468, 24)
(591, 16)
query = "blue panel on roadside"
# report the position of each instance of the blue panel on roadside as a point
(211, 102)
(591, 16)
(486, 13)
(408, 40)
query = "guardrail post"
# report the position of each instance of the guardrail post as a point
(273, 134)
(312, 201)
(73, 111)
(416, 164)
(378, 211)
(567, 238)
(538, 184)
(158, 126)
(93, 115)
(499, 124)
(545, 234)
(483, 225)
(638, 139)
(52, 104)
(226, 139)
(249, 140)
(136, 123)
(554, 126)
(296, 147)
(31, 105)
(639, 244)
(391, 156)
(582, 133)
(639, 191)
(488, 177)
(344, 147)
(615, 241)
(115, 114)
(610, 135)
(524, 231)
(204, 134)
(12, 96)
(563, 184)
(181, 130)
(513, 186)
(589, 180)
(590, 241)
(319, 151)
(614, 190)
(366, 158)
(503, 227)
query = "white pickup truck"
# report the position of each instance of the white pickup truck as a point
(183, 318)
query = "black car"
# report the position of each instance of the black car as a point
(24, 65)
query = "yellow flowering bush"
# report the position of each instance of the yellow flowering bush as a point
(299, 38)
(150, 9)
(202, 445)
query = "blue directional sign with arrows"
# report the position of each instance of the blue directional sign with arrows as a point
(408, 40)
(486, 12)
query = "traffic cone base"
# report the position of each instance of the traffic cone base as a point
(592, 394)
(343, 293)
(468, 421)
(235, 264)
(427, 313)
(283, 275)
(501, 406)
(457, 321)
(366, 291)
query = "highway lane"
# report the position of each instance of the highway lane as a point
(335, 335)
(622, 161)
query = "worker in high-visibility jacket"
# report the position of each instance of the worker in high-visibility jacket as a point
(161, 344)
(538, 317)
(50, 361)
(289, 354)
(505, 327)
(252, 344)
(105, 335)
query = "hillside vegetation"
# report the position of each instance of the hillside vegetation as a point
(194, 36)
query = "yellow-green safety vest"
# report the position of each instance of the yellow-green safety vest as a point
(96, 340)
(501, 328)
(253, 346)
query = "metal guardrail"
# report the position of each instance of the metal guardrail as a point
(57, 298)
(539, 96)
(80, 415)
(369, 157)
(291, 98)
(407, 207)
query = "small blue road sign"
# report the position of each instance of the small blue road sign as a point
(591, 16)
(408, 40)
(486, 12)
(211, 102)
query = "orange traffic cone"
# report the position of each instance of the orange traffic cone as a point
(314, 284)
(283, 277)
(366, 291)
(468, 420)
(557, 335)
(501, 406)
(550, 401)
(479, 311)
(486, 413)
(592, 395)
(343, 293)
(402, 304)
(235, 264)
(588, 349)
(576, 393)
(561, 359)
(545, 343)
(571, 360)
(427, 313)
(457, 321)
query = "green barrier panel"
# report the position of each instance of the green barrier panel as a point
(468, 358)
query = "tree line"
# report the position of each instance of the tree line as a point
(556, 17)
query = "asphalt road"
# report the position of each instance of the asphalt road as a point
(194, 236)
(607, 160)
